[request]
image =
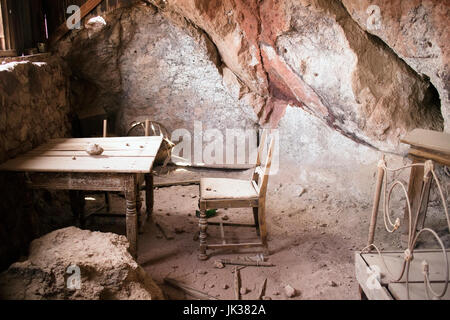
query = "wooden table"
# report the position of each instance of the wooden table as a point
(63, 164)
(425, 145)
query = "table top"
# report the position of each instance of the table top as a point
(120, 155)
(428, 139)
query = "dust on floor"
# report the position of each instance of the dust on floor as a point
(312, 238)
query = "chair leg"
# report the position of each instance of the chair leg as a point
(262, 227)
(255, 217)
(107, 205)
(203, 225)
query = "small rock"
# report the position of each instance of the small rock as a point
(178, 230)
(289, 291)
(243, 290)
(193, 196)
(218, 265)
(202, 272)
(324, 225)
(225, 218)
(266, 298)
(167, 214)
(211, 285)
(276, 293)
(332, 283)
(225, 286)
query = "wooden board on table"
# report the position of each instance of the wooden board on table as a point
(80, 164)
(417, 291)
(428, 139)
(394, 262)
(150, 145)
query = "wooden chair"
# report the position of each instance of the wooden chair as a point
(218, 193)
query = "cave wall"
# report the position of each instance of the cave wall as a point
(338, 92)
(34, 107)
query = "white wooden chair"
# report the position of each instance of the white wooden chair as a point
(218, 193)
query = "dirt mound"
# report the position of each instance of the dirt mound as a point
(71, 263)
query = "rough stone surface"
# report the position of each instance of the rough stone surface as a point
(417, 31)
(145, 65)
(34, 107)
(107, 270)
(313, 55)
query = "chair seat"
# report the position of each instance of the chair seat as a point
(222, 188)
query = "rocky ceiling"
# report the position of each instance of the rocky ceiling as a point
(371, 70)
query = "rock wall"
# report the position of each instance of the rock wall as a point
(308, 68)
(34, 107)
(417, 31)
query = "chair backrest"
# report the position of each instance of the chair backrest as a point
(260, 176)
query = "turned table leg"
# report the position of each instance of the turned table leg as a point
(131, 216)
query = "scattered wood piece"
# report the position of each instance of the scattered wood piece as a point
(237, 293)
(247, 263)
(189, 290)
(196, 236)
(262, 291)
(168, 235)
(175, 183)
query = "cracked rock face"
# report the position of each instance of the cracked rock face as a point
(313, 55)
(417, 31)
(238, 63)
(106, 270)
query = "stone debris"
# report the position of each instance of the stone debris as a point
(106, 270)
(218, 265)
(289, 291)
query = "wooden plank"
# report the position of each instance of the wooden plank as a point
(189, 290)
(8, 53)
(78, 181)
(394, 262)
(416, 291)
(232, 203)
(107, 153)
(80, 164)
(85, 9)
(362, 276)
(235, 245)
(428, 139)
(434, 155)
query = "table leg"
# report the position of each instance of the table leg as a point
(77, 203)
(140, 216)
(131, 217)
(414, 190)
(149, 200)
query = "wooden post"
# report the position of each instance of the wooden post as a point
(149, 194)
(376, 200)
(414, 191)
(147, 128)
(105, 128)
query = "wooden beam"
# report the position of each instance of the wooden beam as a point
(85, 9)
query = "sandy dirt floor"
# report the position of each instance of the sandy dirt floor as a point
(312, 236)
